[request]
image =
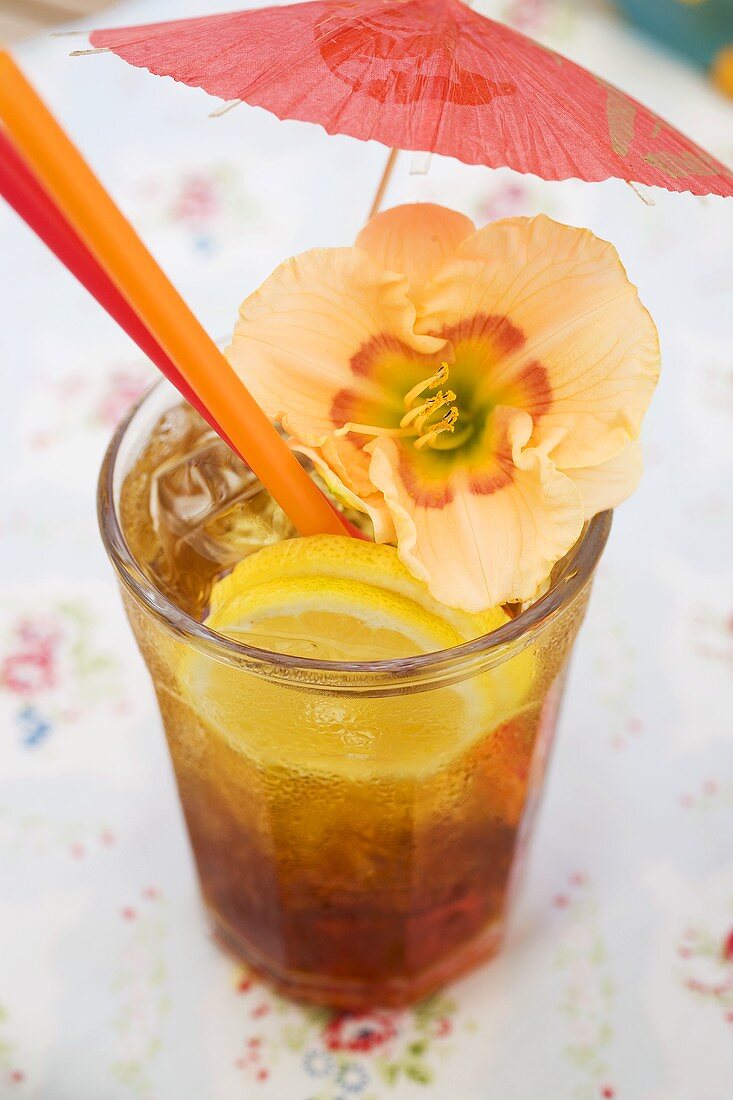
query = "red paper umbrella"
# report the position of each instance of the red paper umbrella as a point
(429, 75)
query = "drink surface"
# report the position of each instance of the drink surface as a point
(357, 848)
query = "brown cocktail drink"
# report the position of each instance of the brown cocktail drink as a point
(357, 802)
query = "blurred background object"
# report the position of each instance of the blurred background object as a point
(701, 30)
(21, 18)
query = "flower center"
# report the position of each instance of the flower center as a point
(434, 418)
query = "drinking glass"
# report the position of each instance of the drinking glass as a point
(358, 827)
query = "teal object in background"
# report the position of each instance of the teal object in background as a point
(699, 30)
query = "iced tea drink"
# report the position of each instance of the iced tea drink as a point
(357, 819)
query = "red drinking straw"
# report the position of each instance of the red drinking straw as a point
(27, 196)
(20, 188)
(63, 172)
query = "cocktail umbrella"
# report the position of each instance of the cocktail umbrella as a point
(430, 75)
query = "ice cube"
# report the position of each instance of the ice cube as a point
(251, 521)
(211, 503)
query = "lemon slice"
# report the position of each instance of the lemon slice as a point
(329, 619)
(347, 559)
(337, 599)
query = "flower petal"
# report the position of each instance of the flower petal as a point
(610, 483)
(340, 483)
(563, 333)
(317, 342)
(485, 533)
(414, 239)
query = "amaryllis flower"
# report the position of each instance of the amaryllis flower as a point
(478, 393)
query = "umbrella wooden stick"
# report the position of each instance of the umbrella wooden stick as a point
(384, 182)
(419, 166)
(63, 172)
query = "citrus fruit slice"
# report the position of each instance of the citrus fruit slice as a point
(337, 599)
(347, 559)
(330, 619)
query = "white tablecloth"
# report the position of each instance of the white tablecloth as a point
(618, 980)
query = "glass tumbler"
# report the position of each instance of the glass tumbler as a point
(358, 828)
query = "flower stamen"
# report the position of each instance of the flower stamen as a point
(420, 414)
(418, 417)
(447, 424)
(432, 383)
(368, 429)
(419, 420)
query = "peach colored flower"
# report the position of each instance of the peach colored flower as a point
(477, 393)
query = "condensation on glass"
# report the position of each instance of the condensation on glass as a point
(351, 868)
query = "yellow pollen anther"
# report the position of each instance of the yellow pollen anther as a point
(418, 419)
(420, 413)
(437, 379)
(447, 424)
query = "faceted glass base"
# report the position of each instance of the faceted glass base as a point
(335, 993)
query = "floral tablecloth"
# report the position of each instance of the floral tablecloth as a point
(618, 980)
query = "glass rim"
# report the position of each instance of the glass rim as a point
(578, 568)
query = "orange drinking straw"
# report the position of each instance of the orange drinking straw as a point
(65, 174)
